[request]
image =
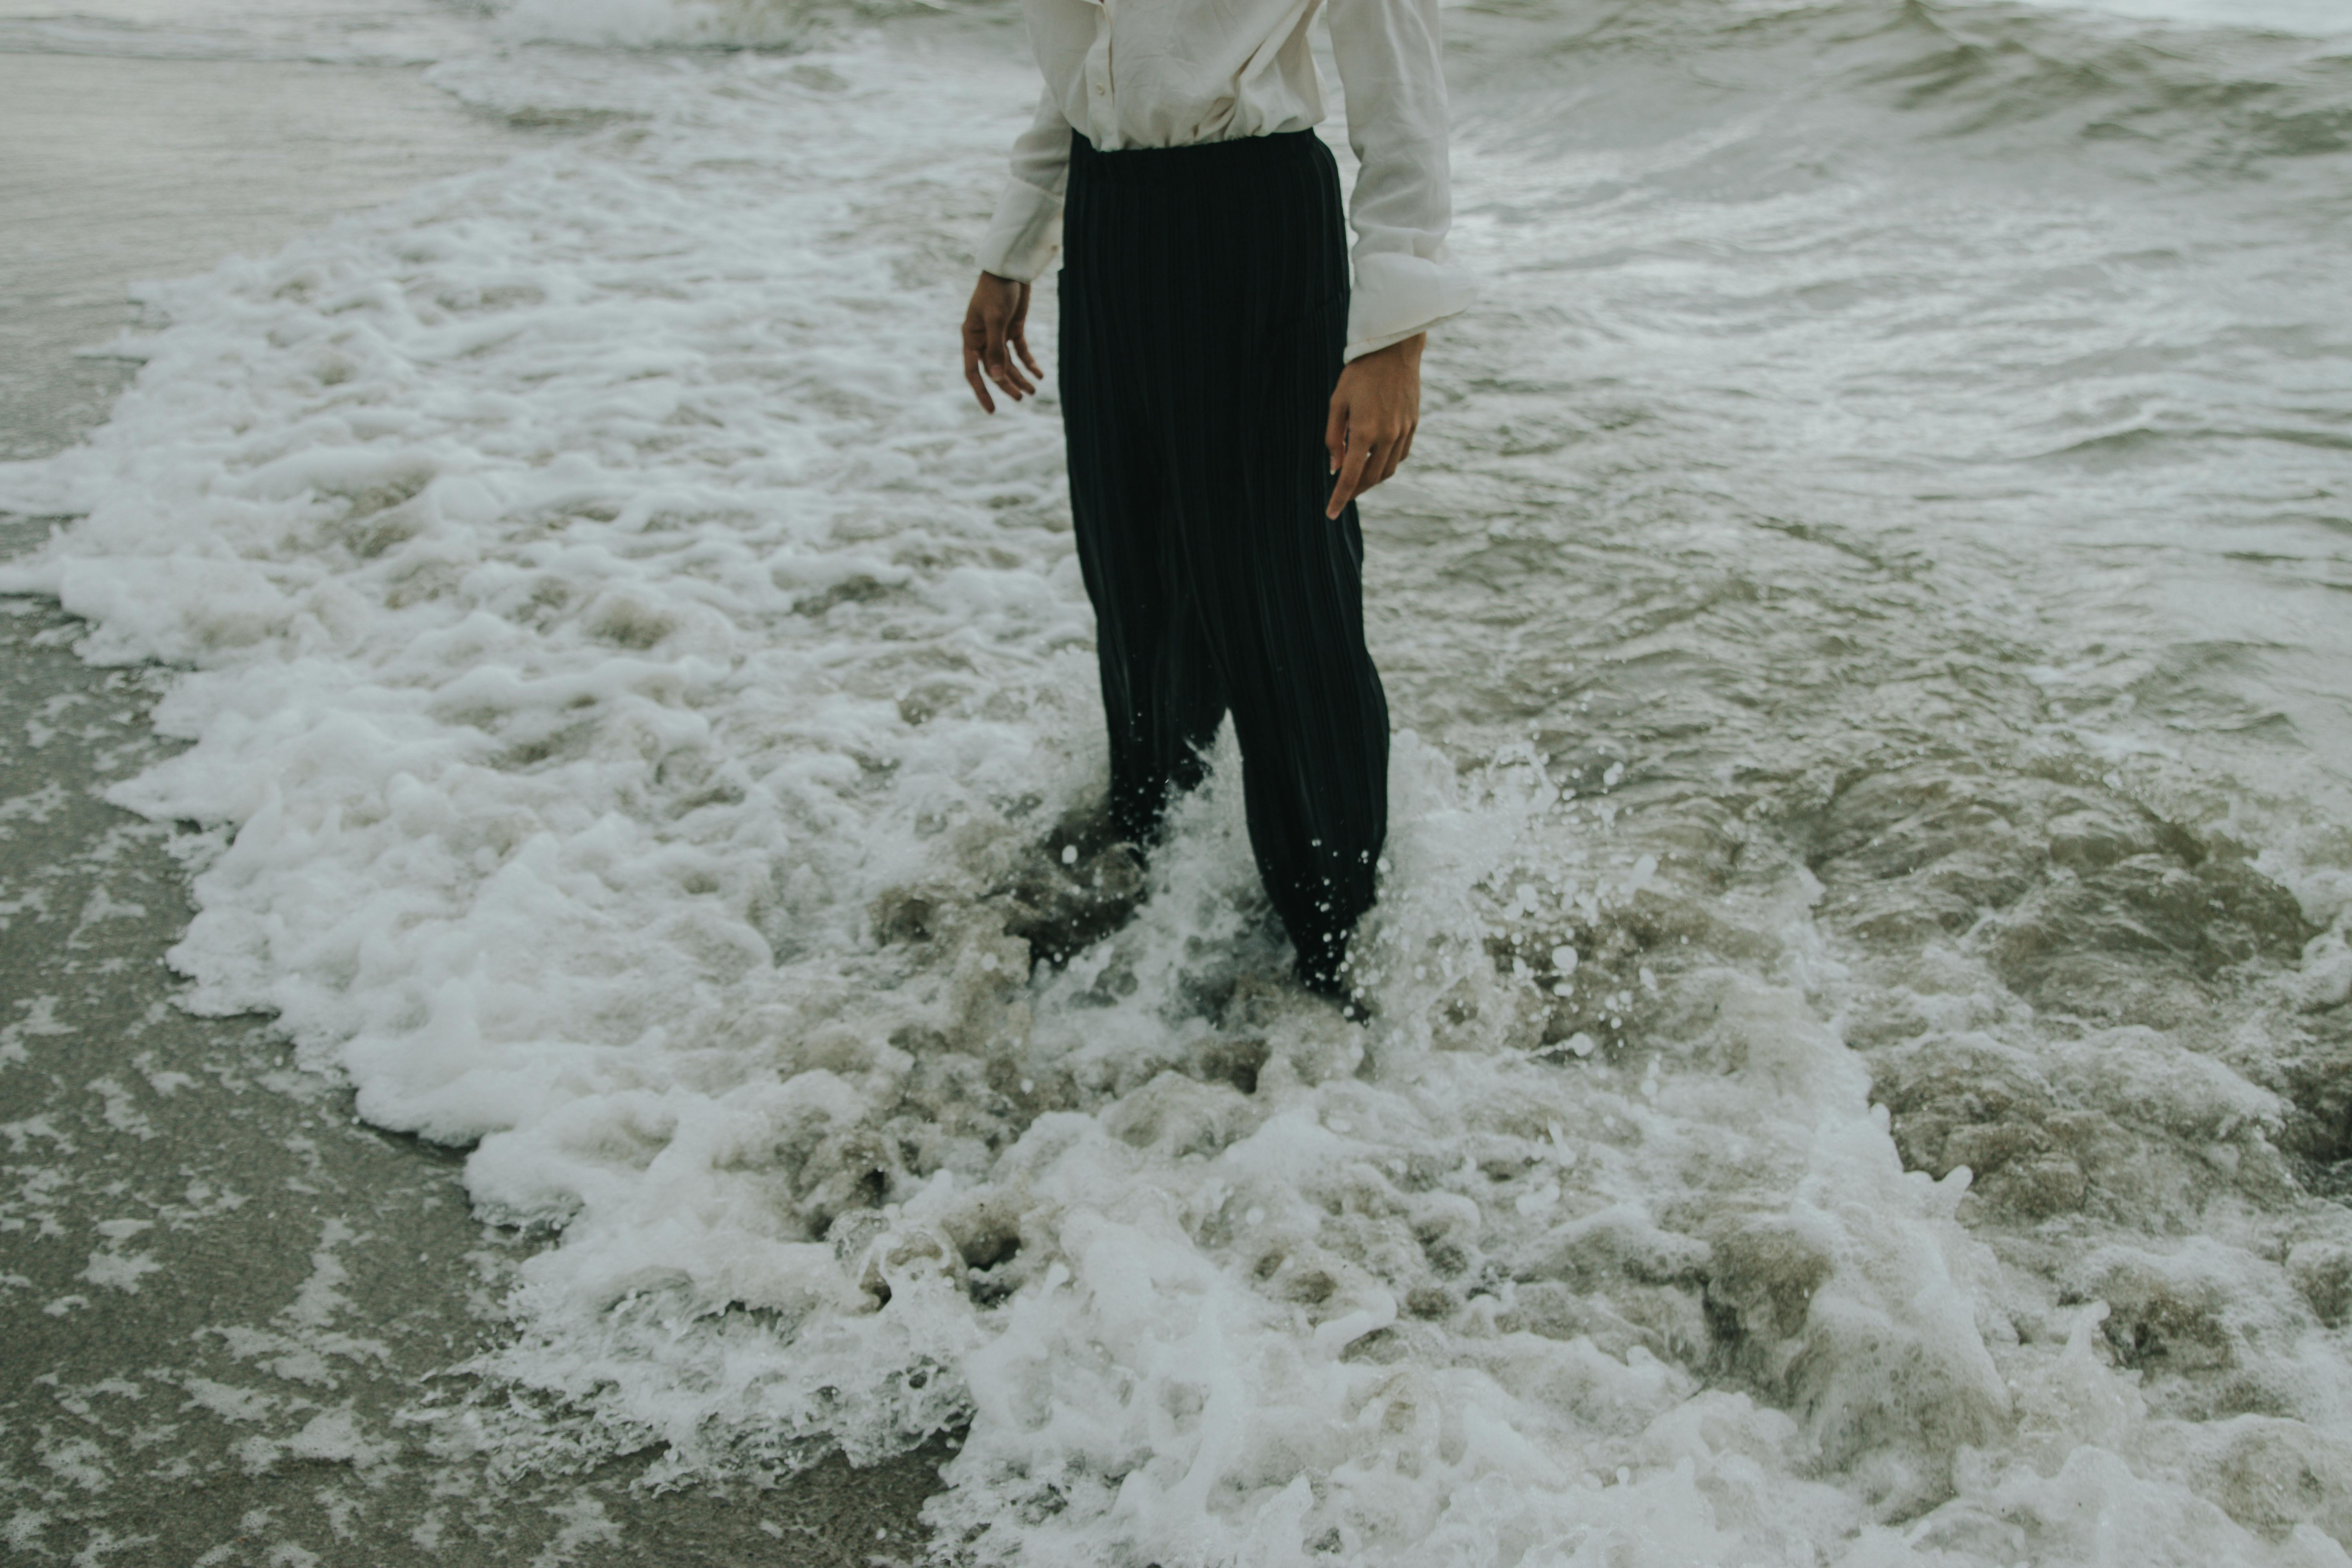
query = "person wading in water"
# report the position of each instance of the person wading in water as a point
(1227, 396)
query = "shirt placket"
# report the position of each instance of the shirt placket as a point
(1102, 104)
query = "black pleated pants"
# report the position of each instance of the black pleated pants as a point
(1203, 311)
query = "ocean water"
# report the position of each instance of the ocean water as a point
(1860, 1068)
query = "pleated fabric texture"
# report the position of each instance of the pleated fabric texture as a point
(1203, 311)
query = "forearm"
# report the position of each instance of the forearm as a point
(1026, 229)
(1388, 54)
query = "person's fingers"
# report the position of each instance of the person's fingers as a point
(1021, 334)
(1016, 323)
(1339, 492)
(991, 351)
(973, 339)
(1351, 477)
(1335, 435)
(1022, 385)
(1001, 368)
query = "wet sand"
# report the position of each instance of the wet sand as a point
(228, 1309)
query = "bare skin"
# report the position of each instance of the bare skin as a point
(1375, 409)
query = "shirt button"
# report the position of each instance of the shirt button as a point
(1100, 90)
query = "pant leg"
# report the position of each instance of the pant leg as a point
(1162, 698)
(1279, 585)
(1281, 589)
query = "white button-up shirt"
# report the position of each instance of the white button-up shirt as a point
(1168, 73)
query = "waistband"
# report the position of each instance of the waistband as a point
(1194, 160)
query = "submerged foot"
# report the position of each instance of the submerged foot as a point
(1079, 885)
(1331, 980)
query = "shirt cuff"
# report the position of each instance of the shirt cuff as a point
(1025, 234)
(1397, 294)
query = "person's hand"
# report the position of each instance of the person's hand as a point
(998, 317)
(1374, 411)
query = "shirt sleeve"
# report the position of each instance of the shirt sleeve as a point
(1387, 51)
(1027, 228)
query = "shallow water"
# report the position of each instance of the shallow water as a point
(101, 144)
(1858, 1062)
